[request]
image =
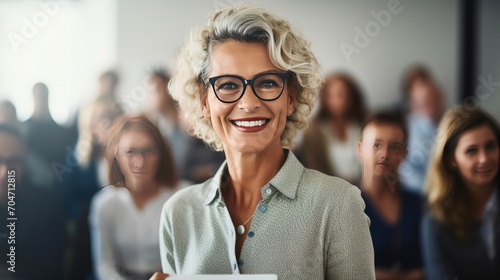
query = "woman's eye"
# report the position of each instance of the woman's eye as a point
(471, 151)
(376, 145)
(227, 86)
(129, 152)
(268, 84)
(491, 146)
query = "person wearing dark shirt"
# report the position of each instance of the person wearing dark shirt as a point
(44, 136)
(461, 231)
(32, 241)
(394, 212)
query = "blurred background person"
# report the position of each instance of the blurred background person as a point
(194, 160)
(42, 175)
(44, 136)
(164, 113)
(329, 145)
(8, 115)
(461, 232)
(83, 176)
(202, 162)
(425, 103)
(125, 216)
(108, 85)
(107, 92)
(395, 213)
(39, 231)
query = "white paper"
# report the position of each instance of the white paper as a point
(224, 277)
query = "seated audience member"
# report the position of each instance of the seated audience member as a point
(41, 173)
(329, 145)
(125, 216)
(247, 81)
(195, 162)
(461, 232)
(8, 115)
(44, 136)
(89, 175)
(83, 174)
(32, 230)
(164, 113)
(394, 212)
(425, 102)
(107, 91)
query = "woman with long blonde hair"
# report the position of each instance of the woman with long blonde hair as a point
(461, 232)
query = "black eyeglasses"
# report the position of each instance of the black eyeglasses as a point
(266, 86)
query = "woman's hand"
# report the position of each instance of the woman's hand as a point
(159, 276)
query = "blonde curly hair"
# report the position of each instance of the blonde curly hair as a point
(288, 51)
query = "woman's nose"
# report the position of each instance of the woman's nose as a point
(484, 156)
(138, 160)
(249, 101)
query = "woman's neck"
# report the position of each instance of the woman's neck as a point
(339, 128)
(146, 193)
(248, 173)
(479, 197)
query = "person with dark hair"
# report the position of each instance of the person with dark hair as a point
(394, 212)
(246, 82)
(82, 176)
(195, 162)
(108, 84)
(425, 103)
(44, 136)
(8, 114)
(329, 145)
(41, 173)
(125, 215)
(32, 228)
(461, 231)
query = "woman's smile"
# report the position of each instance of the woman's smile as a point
(249, 124)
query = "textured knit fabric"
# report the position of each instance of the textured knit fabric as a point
(307, 226)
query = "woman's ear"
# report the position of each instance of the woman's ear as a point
(290, 108)
(205, 107)
(453, 163)
(360, 155)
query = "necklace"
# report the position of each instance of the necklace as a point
(240, 230)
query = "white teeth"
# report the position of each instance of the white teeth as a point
(250, 123)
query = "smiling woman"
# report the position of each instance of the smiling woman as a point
(246, 82)
(461, 232)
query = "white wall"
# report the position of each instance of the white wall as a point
(151, 33)
(62, 43)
